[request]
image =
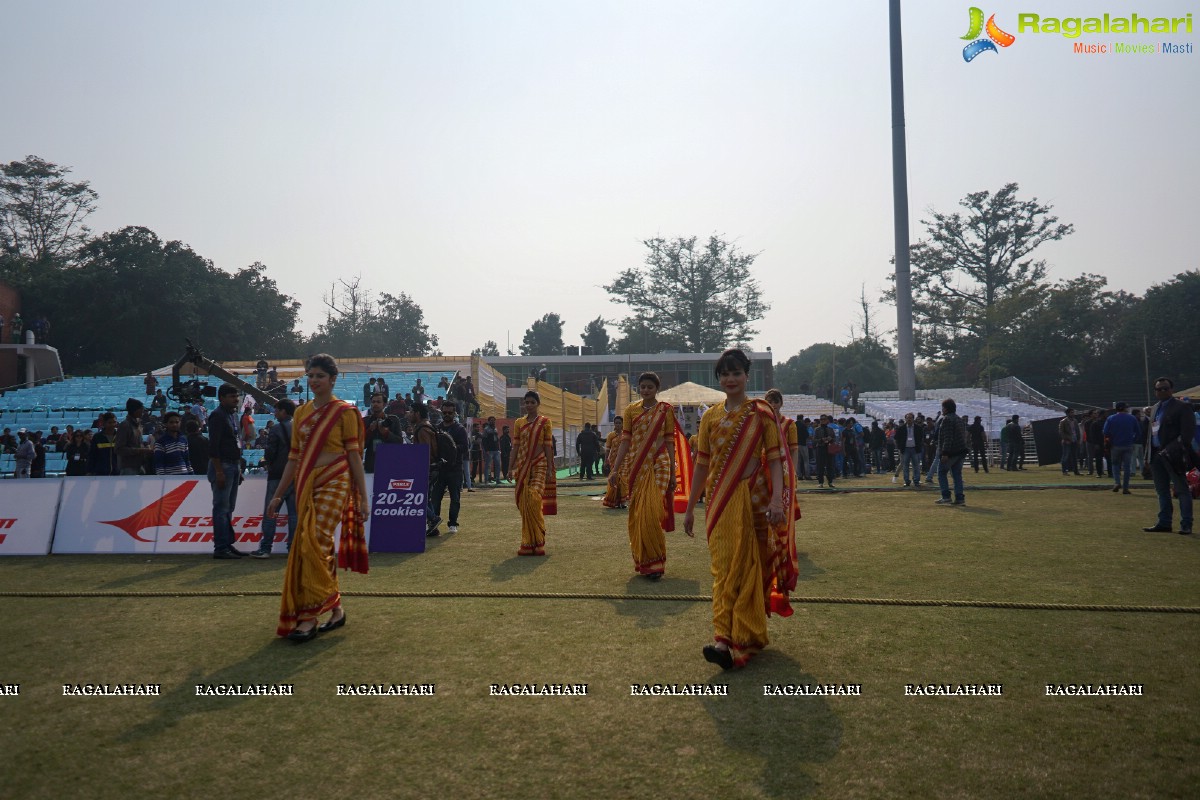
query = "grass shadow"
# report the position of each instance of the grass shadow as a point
(516, 567)
(653, 613)
(987, 512)
(276, 662)
(808, 570)
(786, 732)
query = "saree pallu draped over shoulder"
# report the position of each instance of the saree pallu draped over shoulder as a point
(534, 491)
(651, 504)
(325, 500)
(747, 554)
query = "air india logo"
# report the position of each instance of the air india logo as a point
(154, 515)
(995, 36)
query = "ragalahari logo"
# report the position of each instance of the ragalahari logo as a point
(995, 36)
(154, 515)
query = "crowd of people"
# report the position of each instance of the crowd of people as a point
(16, 329)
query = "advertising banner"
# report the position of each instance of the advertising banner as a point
(154, 515)
(400, 491)
(27, 510)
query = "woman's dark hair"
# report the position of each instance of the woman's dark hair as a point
(324, 362)
(649, 376)
(731, 358)
(536, 397)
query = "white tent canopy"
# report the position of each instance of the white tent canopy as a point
(691, 394)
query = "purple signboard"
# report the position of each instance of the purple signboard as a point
(399, 497)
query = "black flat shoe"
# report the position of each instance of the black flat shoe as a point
(1158, 529)
(333, 624)
(719, 656)
(298, 635)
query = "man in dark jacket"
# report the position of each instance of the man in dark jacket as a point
(382, 429)
(952, 449)
(978, 444)
(450, 476)
(102, 457)
(1172, 429)
(197, 446)
(1016, 444)
(275, 455)
(910, 441)
(587, 445)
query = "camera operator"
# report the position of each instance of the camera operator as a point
(382, 428)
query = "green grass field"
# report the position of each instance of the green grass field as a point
(1050, 545)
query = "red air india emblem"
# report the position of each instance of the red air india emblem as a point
(157, 513)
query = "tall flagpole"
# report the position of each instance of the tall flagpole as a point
(905, 366)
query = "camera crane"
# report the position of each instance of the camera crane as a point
(190, 391)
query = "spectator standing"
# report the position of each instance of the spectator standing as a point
(77, 455)
(1096, 443)
(953, 445)
(978, 444)
(506, 453)
(25, 455)
(103, 451)
(18, 328)
(171, 455)
(423, 433)
(381, 429)
(132, 451)
(587, 445)
(279, 443)
(451, 471)
(823, 436)
(910, 440)
(1122, 430)
(491, 452)
(1139, 444)
(224, 470)
(476, 466)
(246, 429)
(151, 383)
(1016, 443)
(368, 390)
(8, 442)
(418, 392)
(197, 447)
(1172, 431)
(38, 468)
(1069, 435)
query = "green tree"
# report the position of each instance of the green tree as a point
(132, 300)
(637, 336)
(1158, 329)
(42, 213)
(595, 337)
(490, 348)
(358, 325)
(974, 276)
(544, 337)
(701, 295)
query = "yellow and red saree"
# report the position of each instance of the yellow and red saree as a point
(324, 500)
(651, 506)
(736, 443)
(535, 490)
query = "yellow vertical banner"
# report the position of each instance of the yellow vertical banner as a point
(601, 403)
(624, 397)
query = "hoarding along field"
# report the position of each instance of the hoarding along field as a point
(495, 693)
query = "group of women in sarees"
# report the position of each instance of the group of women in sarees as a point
(744, 468)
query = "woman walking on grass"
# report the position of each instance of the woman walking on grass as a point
(331, 489)
(648, 441)
(534, 468)
(742, 469)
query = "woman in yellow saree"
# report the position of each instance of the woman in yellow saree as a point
(615, 493)
(534, 468)
(648, 442)
(331, 489)
(741, 469)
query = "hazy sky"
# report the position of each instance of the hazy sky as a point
(500, 160)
